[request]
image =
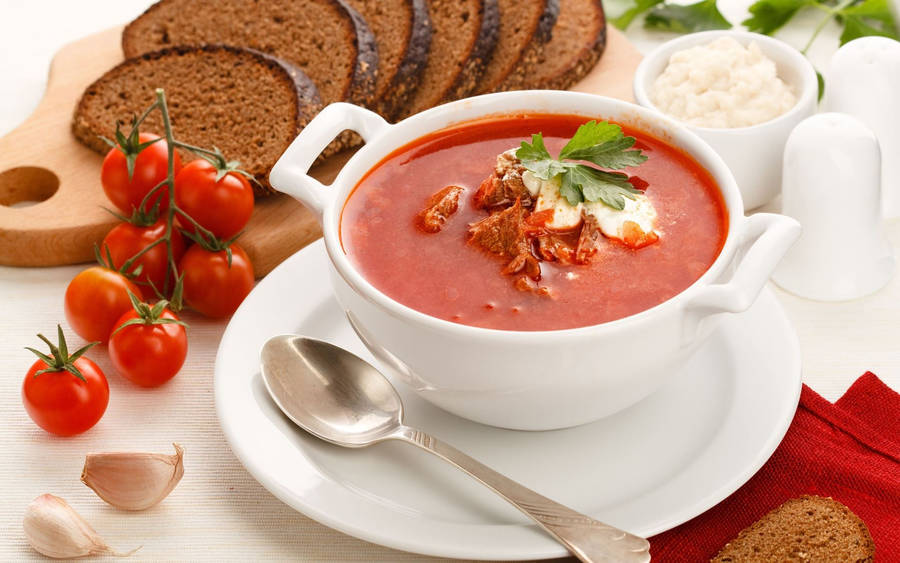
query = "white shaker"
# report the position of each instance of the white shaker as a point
(831, 185)
(863, 80)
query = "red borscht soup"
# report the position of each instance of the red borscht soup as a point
(463, 226)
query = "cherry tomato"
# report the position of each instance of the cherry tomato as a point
(148, 354)
(61, 402)
(95, 299)
(222, 207)
(210, 285)
(125, 240)
(150, 168)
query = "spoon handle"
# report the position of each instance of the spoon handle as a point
(587, 539)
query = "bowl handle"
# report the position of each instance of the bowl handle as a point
(290, 173)
(765, 239)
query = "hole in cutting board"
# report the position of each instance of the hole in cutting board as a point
(27, 185)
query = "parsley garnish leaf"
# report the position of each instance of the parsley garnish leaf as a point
(536, 151)
(601, 143)
(589, 135)
(536, 158)
(701, 16)
(597, 185)
(571, 190)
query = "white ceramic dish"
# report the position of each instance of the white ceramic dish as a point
(646, 469)
(531, 380)
(754, 154)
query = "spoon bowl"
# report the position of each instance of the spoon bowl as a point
(329, 392)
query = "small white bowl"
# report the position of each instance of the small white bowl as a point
(754, 154)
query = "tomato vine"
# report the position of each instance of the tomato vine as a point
(199, 234)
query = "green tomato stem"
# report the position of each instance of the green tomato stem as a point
(142, 207)
(144, 115)
(170, 180)
(130, 262)
(220, 160)
(206, 233)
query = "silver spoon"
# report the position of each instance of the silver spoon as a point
(340, 398)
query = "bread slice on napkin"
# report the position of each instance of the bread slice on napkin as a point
(326, 39)
(525, 28)
(808, 528)
(248, 104)
(402, 31)
(579, 38)
(463, 41)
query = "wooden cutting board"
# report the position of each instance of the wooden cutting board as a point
(40, 161)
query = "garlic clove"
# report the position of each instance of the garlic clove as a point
(54, 529)
(132, 480)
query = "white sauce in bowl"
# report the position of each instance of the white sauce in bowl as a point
(722, 85)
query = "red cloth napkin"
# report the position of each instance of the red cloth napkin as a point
(849, 451)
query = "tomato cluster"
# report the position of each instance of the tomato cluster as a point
(148, 254)
(176, 247)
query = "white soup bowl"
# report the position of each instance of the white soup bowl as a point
(534, 380)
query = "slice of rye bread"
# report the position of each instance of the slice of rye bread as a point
(326, 39)
(248, 104)
(579, 38)
(402, 31)
(808, 528)
(525, 27)
(462, 43)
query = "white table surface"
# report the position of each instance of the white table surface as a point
(218, 512)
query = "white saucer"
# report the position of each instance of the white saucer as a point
(647, 469)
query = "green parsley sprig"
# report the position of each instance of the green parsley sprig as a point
(678, 18)
(858, 18)
(601, 143)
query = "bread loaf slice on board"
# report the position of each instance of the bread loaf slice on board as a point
(326, 39)
(808, 528)
(579, 38)
(248, 104)
(463, 41)
(402, 31)
(525, 28)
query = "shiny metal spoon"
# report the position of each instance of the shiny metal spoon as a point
(340, 398)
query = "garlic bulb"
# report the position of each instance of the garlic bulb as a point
(133, 481)
(54, 529)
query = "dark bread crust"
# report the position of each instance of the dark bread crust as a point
(306, 103)
(531, 56)
(544, 31)
(586, 61)
(360, 88)
(362, 84)
(406, 80)
(403, 31)
(464, 37)
(807, 528)
(480, 55)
